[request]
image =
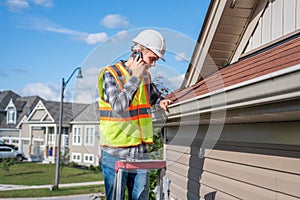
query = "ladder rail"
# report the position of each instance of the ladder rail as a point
(132, 165)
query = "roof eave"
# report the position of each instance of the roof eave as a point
(225, 105)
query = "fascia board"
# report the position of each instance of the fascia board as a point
(276, 86)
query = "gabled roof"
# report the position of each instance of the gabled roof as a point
(70, 110)
(5, 97)
(89, 114)
(280, 56)
(221, 36)
(24, 105)
(244, 84)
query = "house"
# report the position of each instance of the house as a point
(233, 129)
(85, 144)
(13, 109)
(39, 132)
(32, 124)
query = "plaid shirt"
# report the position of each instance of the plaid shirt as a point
(120, 101)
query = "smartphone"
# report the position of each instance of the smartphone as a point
(139, 54)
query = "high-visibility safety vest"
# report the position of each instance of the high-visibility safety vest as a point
(132, 127)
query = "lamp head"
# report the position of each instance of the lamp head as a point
(79, 75)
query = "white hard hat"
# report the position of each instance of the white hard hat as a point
(152, 40)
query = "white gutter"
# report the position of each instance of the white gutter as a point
(205, 103)
(242, 84)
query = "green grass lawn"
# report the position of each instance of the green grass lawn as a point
(26, 173)
(93, 189)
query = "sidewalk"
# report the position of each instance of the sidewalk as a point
(4, 187)
(71, 197)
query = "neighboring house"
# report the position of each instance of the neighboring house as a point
(32, 124)
(39, 131)
(85, 137)
(233, 130)
(13, 109)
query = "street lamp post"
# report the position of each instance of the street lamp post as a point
(63, 86)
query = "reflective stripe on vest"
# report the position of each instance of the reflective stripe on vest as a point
(132, 127)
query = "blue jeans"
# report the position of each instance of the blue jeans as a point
(137, 182)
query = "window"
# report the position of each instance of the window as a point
(77, 135)
(66, 140)
(89, 158)
(66, 132)
(11, 116)
(6, 149)
(89, 136)
(11, 113)
(51, 135)
(76, 157)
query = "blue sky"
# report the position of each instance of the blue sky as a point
(43, 41)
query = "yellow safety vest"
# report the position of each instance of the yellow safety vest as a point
(135, 125)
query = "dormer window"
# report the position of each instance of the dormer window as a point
(11, 113)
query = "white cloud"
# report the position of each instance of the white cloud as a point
(181, 57)
(43, 24)
(17, 5)
(175, 81)
(44, 3)
(48, 92)
(94, 38)
(114, 21)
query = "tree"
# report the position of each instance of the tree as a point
(155, 152)
(64, 159)
(7, 163)
(158, 82)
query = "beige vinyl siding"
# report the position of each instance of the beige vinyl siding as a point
(248, 162)
(280, 18)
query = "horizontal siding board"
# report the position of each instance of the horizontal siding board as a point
(285, 164)
(191, 185)
(240, 189)
(236, 188)
(206, 192)
(177, 192)
(185, 171)
(178, 168)
(249, 174)
(185, 159)
(285, 197)
(289, 183)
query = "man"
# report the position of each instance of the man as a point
(126, 96)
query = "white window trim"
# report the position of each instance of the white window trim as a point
(76, 155)
(89, 143)
(11, 113)
(88, 161)
(52, 135)
(76, 143)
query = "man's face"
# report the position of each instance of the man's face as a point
(150, 58)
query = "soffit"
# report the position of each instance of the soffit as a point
(228, 34)
(215, 51)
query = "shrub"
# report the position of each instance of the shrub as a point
(91, 167)
(73, 164)
(7, 163)
(98, 168)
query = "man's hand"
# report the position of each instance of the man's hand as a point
(138, 67)
(164, 104)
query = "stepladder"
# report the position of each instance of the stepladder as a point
(133, 165)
